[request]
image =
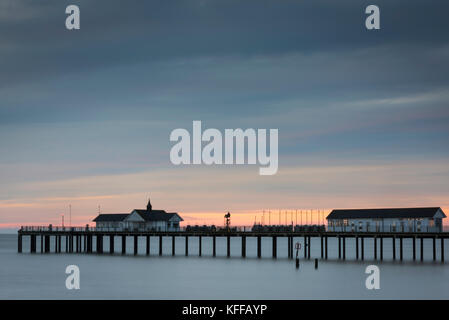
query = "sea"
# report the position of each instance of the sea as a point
(116, 276)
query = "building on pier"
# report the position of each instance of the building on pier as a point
(387, 220)
(139, 220)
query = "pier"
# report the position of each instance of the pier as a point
(80, 240)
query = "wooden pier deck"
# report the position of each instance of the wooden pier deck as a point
(80, 240)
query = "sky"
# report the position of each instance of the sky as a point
(86, 115)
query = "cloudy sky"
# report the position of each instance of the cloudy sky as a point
(85, 115)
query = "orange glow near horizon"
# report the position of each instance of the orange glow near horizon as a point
(247, 218)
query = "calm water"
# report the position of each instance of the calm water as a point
(42, 276)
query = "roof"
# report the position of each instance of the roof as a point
(384, 213)
(111, 217)
(156, 215)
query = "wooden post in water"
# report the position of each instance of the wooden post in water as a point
(56, 244)
(111, 244)
(274, 246)
(123, 244)
(187, 245)
(173, 245)
(66, 243)
(400, 249)
(200, 245)
(147, 245)
(160, 245)
(414, 248)
(59, 243)
(214, 246)
(357, 248)
(77, 243)
(228, 246)
(288, 246)
(259, 247)
(243, 246)
(344, 248)
(422, 249)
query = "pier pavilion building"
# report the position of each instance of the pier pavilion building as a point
(387, 220)
(139, 220)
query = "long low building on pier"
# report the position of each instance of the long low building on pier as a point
(387, 220)
(139, 220)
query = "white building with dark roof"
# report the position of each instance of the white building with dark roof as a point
(387, 220)
(139, 220)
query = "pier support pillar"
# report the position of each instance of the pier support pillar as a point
(56, 244)
(288, 247)
(148, 245)
(394, 247)
(228, 246)
(414, 248)
(200, 245)
(42, 242)
(309, 247)
(136, 245)
(291, 247)
(322, 251)
(259, 247)
(400, 249)
(381, 248)
(305, 247)
(160, 245)
(91, 243)
(173, 245)
(434, 248)
(111, 244)
(33, 243)
(19, 243)
(274, 241)
(99, 243)
(325, 247)
(123, 244)
(442, 249)
(362, 246)
(357, 248)
(214, 246)
(339, 247)
(344, 248)
(422, 249)
(243, 246)
(66, 243)
(47, 244)
(375, 248)
(187, 245)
